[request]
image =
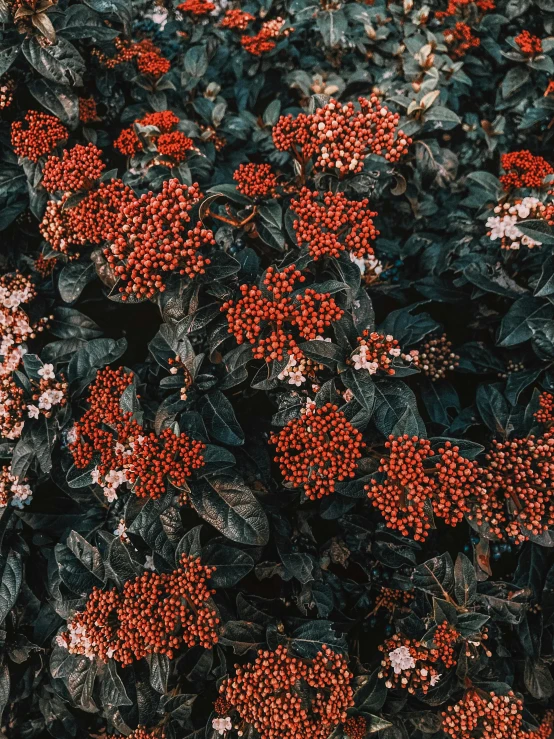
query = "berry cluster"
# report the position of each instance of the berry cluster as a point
(149, 58)
(486, 715)
(412, 486)
(530, 45)
(237, 19)
(40, 135)
(377, 352)
(264, 40)
(77, 169)
(285, 697)
(460, 38)
(355, 727)
(391, 600)
(333, 224)
(310, 313)
(339, 137)
(154, 614)
(458, 7)
(256, 180)
(545, 414)
(174, 145)
(409, 664)
(170, 143)
(147, 240)
(515, 488)
(523, 169)
(87, 110)
(12, 409)
(87, 222)
(436, 358)
(124, 451)
(7, 89)
(140, 733)
(196, 7)
(318, 450)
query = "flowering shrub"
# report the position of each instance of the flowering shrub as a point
(277, 369)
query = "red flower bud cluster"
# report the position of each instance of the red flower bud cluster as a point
(486, 715)
(377, 352)
(87, 222)
(256, 180)
(409, 664)
(285, 697)
(174, 145)
(148, 240)
(523, 169)
(340, 136)
(148, 57)
(461, 39)
(309, 313)
(7, 89)
(196, 7)
(129, 143)
(355, 727)
(545, 414)
(236, 18)
(42, 133)
(391, 600)
(515, 488)
(154, 614)
(411, 486)
(333, 224)
(125, 452)
(318, 450)
(141, 733)
(77, 169)
(457, 7)
(529, 44)
(87, 110)
(12, 409)
(263, 41)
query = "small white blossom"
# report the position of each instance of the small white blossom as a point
(221, 725)
(401, 659)
(33, 411)
(47, 372)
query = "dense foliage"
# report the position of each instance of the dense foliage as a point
(277, 369)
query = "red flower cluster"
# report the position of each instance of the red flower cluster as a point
(87, 110)
(256, 180)
(77, 169)
(318, 450)
(87, 222)
(515, 490)
(486, 715)
(148, 239)
(236, 18)
(355, 727)
(168, 142)
(411, 485)
(263, 41)
(154, 614)
(377, 352)
(391, 600)
(125, 452)
(333, 225)
(141, 733)
(42, 133)
(310, 313)
(196, 7)
(285, 697)
(148, 57)
(12, 409)
(529, 44)
(340, 136)
(545, 414)
(457, 7)
(523, 169)
(409, 664)
(461, 39)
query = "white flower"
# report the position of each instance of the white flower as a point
(121, 530)
(95, 474)
(434, 680)
(221, 725)
(395, 351)
(47, 372)
(149, 563)
(296, 378)
(22, 495)
(33, 411)
(401, 659)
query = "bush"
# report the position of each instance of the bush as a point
(277, 369)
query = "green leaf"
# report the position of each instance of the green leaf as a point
(220, 419)
(515, 78)
(465, 581)
(196, 61)
(60, 100)
(231, 508)
(74, 278)
(11, 573)
(231, 565)
(270, 224)
(332, 25)
(436, 576)
(515, 328)
(7, 57)
(94, 355)
(59, 62)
